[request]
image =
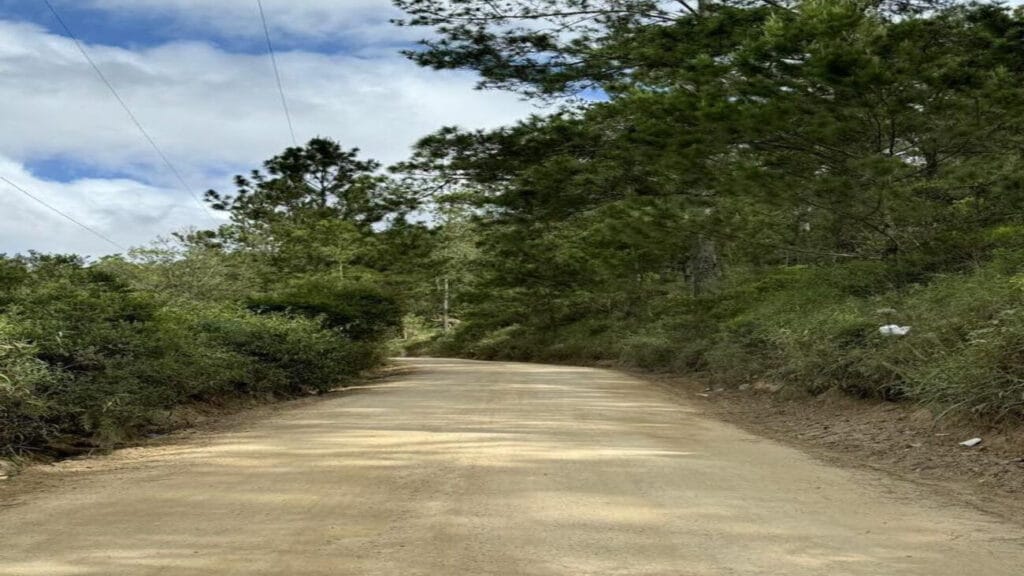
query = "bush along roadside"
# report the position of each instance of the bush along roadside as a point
(806, 330)
(766, 186)
(293, 293)
(89, 361)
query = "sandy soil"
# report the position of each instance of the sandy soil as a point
(487, 468)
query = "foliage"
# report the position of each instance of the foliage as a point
(25, 386)
(551, 46)
(743, 189)
(314, 182)
(752, 182)
(362, 312)
(285, 300)
(96, 354)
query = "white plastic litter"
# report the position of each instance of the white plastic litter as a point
(971, 443)
(894, 330)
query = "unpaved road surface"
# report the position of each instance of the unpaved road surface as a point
(464, 468)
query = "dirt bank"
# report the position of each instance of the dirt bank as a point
(905, 441)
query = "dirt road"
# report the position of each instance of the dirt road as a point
(463, 468)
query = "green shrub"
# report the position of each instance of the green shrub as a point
(967, 353)
(86, 357)
(361, 311)
(813, 329)
(649, 351)
(288, 355)
(93, 327)
(25, 386)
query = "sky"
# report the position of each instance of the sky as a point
(197, 76)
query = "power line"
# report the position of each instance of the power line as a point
(131, 115)
(92, 231)
(277, 73)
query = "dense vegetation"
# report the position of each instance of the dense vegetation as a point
(759, 187)
(288, 299)
(743, 189)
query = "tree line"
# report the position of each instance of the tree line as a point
(749, 190)
(743, 189)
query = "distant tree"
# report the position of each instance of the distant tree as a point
(318, 208)
(318, 181)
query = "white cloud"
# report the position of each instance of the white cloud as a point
(123, 210)
(362, 21)
(210, 107)
(213, 112)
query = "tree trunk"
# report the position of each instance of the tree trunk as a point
(704, 268)
(447, 300)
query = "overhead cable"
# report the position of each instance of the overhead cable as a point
(135, 120)
(65, 215)
(277, 73)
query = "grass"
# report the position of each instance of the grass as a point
(813, 330)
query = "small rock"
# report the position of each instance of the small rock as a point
(971, 443)
(744, 387)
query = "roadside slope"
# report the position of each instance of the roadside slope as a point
(490, 468)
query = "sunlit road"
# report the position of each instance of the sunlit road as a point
(465, 468)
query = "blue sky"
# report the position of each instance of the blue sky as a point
(164, 22)
(92, 25)
(196, 74)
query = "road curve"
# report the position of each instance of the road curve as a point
(470, 468)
